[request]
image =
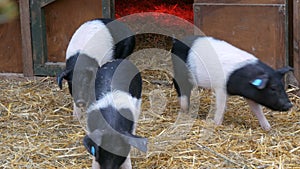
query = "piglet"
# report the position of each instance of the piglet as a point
(211, 63)
(94, 43)
(111, 119)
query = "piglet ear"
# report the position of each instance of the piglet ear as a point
(96, 136)
(90, 145)
(61, 77)
(260, 82)
(284, 70)
(136, 141)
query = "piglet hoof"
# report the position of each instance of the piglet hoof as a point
(95, 164)
(218, 123)
(266, 126)
(185, 111)
(76, 113)
(218, 120)
(184, 104)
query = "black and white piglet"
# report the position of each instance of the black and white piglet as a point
(212, 63)
(112, 118)
(94, 43)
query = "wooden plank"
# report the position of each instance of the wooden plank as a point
(52, 28)
(108, 7)
(256, 28)
(296, 41)
(11, 46)
(241, 1)
(46, 2)
(49, 69)
(37, 32)
(26, 38)
(60, 26)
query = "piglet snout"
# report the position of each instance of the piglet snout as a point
(80, 103)
(287, 106)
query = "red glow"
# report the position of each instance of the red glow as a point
(180, 8)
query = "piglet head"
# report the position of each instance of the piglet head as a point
(111, 149)
(270, 90)
(83, 82)
(262, 84)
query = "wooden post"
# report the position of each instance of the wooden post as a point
(26, 38)
(296, 39)
(108, 8)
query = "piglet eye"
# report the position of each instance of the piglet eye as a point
(273, 87)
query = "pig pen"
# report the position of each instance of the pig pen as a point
(38, 129)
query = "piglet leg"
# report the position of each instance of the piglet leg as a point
(184, 103)
(257, 110)
(127, 163)
(76, 112)
(95, 164)
(221, 97)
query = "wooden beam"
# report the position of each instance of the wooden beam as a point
(108, 8)
(46, 2)
(296, 39)
(26, 38)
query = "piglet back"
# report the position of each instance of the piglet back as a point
(118, 75)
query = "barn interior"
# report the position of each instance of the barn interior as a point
(38, 129)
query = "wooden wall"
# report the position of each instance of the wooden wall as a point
(11, 47)
(296, 41)
(261, 29)
(63, 17)
(256, 26)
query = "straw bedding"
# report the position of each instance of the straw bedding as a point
(39, 131)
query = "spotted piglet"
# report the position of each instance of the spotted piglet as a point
(94, 43)
(112, 118)
(212, 63)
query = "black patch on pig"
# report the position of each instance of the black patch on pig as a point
(118, 75)
(124, 41)
(114, 124)
(84, 82)
(271, 94)
(180, 52)
(115, 127)
(67, 73)
(105, 158)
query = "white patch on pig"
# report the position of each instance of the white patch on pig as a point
(93, 39)
(211, 61)
(119, 100)
(184, 103)
(127, 163)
